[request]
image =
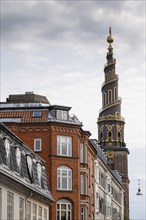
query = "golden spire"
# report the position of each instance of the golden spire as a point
(110, 38)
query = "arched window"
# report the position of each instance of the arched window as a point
(64, 178)
(29, 164)
(104, 99)
(7, 147)
(109, 96)
(109, 135)
(64, 210)
(39, 170)
(119, 135)
(18, 156)
(115, 93)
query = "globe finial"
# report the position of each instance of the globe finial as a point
(110, 38)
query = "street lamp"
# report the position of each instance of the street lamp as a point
(139, 190)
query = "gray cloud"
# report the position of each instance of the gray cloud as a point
(58, 49)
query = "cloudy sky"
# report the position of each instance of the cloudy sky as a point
(58, 49)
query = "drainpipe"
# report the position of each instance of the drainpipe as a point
(29, 196)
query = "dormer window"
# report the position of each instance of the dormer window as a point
(7, 147)
(29, 163)
(62, 115)
(37, 114)
(18, 156)
(39, 170)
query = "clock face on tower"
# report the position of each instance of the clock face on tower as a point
(110, 154)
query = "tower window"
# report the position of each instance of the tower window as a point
(104, 99)
(119, 135)
(109, 135)
(115, 93)
(109, 96)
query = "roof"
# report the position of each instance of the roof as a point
(21, 174)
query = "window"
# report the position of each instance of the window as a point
(104, 99)
(108, 187)
(40, 213)
(29, 163)
(109, 135)
(39, 170)
(64, 211)
(18, 156)
(92, 167)
(101, 205)
(101, 136)
(62, 115)
(21, 208)
(82, 214)
(37, 144)
(34, 212)
(64, 178)
(10, 206)
(115, 93)
(84, 184)
(92, 194)
(28, 210)
(83, 153)
(109, 96)
(64, 146)
(45, 214)
(101, 180)
(119, 135)
(7, 147)
(37, 114)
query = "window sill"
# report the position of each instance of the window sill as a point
(64, 190)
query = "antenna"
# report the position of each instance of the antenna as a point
(139, 190)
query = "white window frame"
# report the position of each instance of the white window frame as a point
(45, 214)
(67, 209)
(36, 114)
(7, 147)
(39, 171)
(37, 141)
(29, 164)
(83, 153)
(21, 208)
(62, 115)
(34, 211)
(64, 146)
(39, 213)
(84, 184)
(10, 206)
(18, 156)
(64, 178)
(28, 210)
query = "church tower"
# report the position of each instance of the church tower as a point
(111, 123)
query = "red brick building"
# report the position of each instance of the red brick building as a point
(59, 139)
